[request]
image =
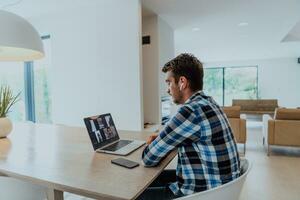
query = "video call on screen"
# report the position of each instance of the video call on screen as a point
(102, 127)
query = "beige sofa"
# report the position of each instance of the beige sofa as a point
(283, 129)
(237, 124)
(256, 106)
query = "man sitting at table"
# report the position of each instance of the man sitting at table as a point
(207, 152)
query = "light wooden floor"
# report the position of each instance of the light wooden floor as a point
(276, 177)
(271, 178)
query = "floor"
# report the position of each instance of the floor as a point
(276, 177)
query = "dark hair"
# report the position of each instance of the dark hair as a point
(190, 67)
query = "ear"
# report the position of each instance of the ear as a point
(182, 83)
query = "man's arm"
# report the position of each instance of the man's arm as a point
(180, 128)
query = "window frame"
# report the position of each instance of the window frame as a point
(223, 81)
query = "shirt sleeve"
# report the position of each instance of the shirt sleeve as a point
(179, 130)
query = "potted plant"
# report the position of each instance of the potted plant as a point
(7, 100)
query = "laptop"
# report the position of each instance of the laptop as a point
(105, 138)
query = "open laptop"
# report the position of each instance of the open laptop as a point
(105, 138)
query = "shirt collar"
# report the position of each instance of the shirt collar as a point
(194, 96)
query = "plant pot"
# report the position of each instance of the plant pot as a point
(5, 127)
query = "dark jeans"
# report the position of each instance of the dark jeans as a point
(159, 189)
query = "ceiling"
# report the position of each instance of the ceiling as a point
(219, 30)
(214, 30)
(37, 8)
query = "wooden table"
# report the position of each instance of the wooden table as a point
(61, 158)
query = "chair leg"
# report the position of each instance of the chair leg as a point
(268, 150)
(244, 149)
(263, 141)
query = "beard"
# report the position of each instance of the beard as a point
(177, 97)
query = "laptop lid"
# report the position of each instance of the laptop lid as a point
(101, 129)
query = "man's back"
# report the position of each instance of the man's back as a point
(207, 153)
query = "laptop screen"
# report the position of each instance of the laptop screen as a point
(101, 129)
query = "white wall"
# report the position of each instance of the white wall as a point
(96, 62)
(150, 71)
(155, 55)
(277, 78)
(166, 53)
(166, 50)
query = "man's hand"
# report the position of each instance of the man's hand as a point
(151, 138)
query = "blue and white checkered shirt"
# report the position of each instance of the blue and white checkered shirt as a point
(207, 152)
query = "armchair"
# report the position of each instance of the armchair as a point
(237, 124)
(283, 129)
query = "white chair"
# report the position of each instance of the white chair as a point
(228, 191)
(14, 189)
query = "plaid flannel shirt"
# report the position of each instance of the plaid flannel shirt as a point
(207, 152)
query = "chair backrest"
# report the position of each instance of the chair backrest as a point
(228, 191)
(237, 123)
(14, 189)
(232, 111)
(287, 114)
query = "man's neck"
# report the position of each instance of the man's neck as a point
(187, 95)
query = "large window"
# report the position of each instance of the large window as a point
(32, 80)
(225, 84)
(240, 83)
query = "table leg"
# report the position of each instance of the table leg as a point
(53, 194)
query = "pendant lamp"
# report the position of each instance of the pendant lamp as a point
(19, 41)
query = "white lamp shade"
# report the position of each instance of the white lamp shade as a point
(19, 41)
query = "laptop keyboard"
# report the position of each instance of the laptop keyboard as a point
(118, 145)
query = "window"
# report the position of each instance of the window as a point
(240, 83)
(32, 80)
(11, 74)
(42, 89)
(213, 83)
(225, 84)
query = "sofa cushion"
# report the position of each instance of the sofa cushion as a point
(287, 114)
(232, 111)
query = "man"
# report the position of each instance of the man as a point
(207, 152)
